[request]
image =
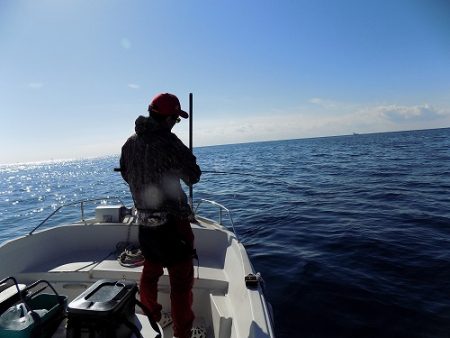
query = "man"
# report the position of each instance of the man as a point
(152, 162)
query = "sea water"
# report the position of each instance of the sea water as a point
(351, 234)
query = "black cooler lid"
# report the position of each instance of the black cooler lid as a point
(103, 298)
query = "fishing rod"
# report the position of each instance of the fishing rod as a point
(191, 122)
(191, 148)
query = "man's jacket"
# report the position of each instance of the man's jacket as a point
(152, 162)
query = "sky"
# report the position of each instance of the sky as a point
(75, 74)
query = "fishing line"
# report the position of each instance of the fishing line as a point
(247, 174)
(235, 173)
(230, 173)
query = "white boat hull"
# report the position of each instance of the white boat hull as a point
(72, 257)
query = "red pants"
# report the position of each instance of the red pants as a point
(181, 277)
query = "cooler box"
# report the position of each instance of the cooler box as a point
(110, 213)
(104, 310)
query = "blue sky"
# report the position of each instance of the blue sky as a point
(74, 75)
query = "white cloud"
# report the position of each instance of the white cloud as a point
(343, 119)
(133, 86)
(399, 112)
(324, 103)
(392, 117)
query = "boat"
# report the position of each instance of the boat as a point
(73, 256)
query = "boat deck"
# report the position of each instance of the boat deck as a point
(72, 266)
(210, 289)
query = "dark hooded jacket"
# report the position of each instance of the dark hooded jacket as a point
(152, 162)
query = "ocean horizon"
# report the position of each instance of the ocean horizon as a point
(99, 156)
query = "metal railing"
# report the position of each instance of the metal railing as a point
(81, 203)
(221, 209)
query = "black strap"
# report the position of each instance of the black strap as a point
(132, 327)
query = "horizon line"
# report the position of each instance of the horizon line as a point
(51, 161)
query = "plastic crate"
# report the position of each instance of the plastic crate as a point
(45, 312)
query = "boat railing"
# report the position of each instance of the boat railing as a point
(82, 210)
(221, 209)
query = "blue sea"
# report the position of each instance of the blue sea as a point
(351, 233)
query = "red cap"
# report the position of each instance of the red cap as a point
(167, 104)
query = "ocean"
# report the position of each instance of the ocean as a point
(350, 233)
